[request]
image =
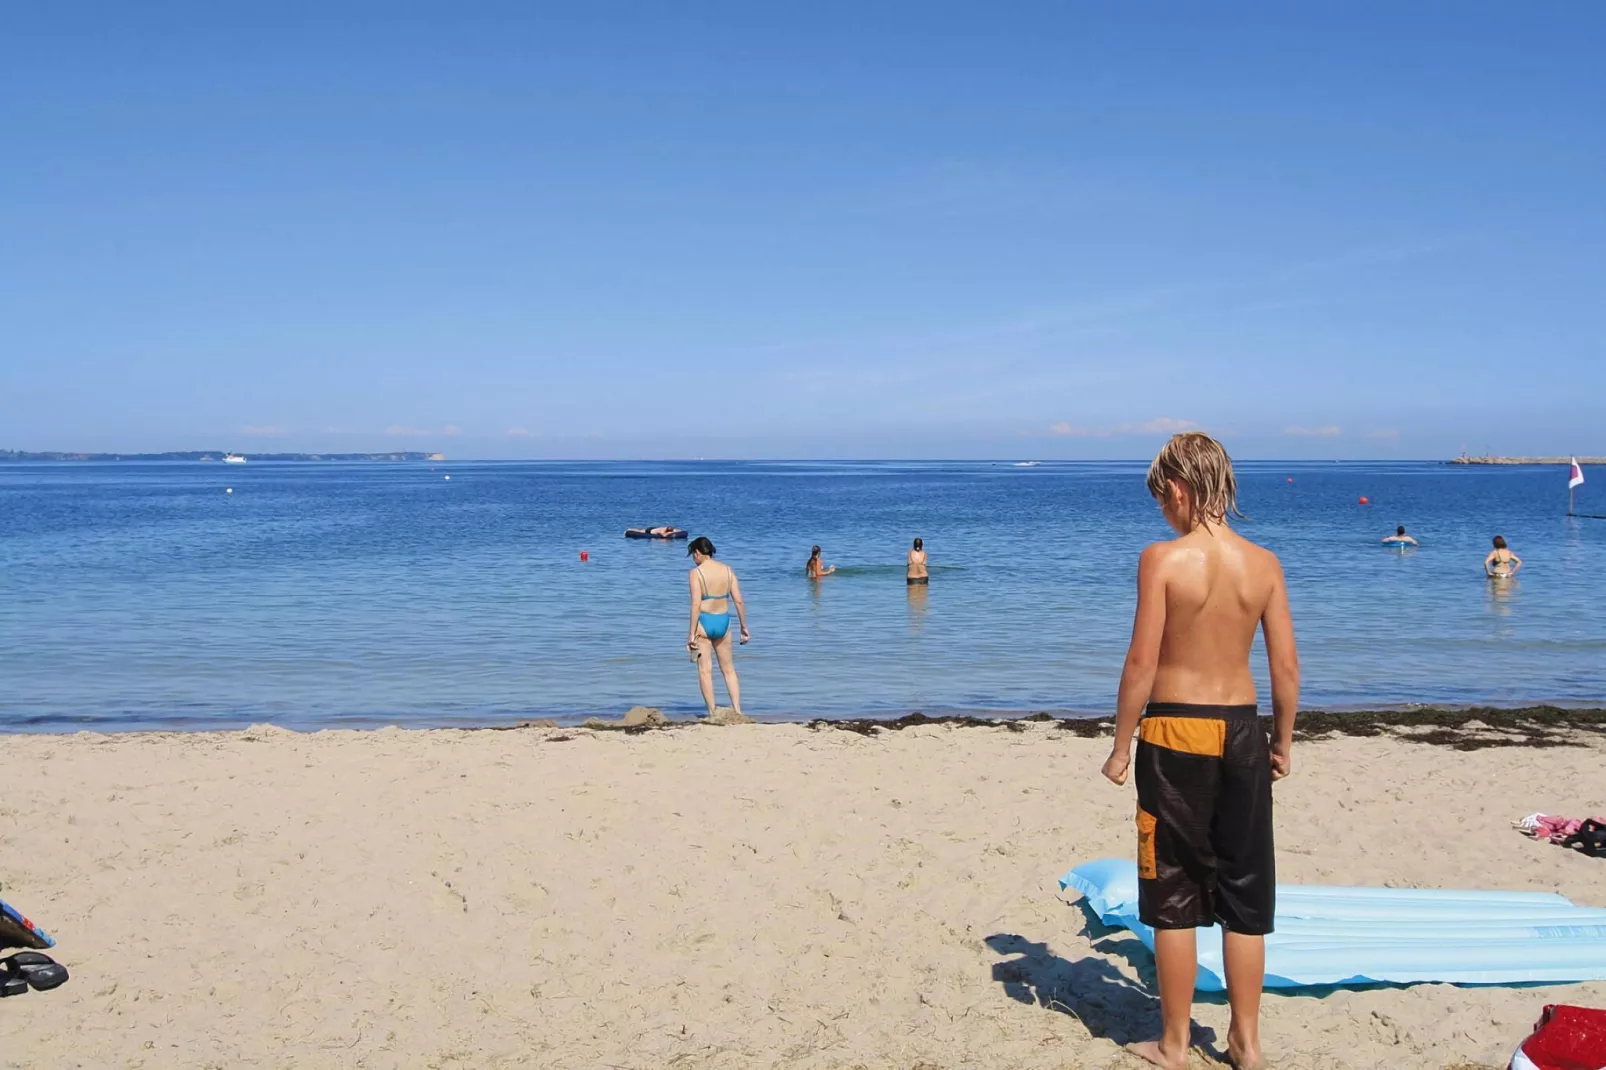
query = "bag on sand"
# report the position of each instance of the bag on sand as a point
(18, 931)
(1564, 1038)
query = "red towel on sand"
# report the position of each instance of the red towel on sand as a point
(1565, 1038)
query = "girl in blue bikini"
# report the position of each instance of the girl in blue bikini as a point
(714, 590)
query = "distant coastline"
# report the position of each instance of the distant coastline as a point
(215, 455)
(1464, 459)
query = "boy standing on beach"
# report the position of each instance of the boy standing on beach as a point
(1204, 764)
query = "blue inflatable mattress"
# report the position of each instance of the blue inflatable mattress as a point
(1351, 936)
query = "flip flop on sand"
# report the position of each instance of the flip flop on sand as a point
(41, 972)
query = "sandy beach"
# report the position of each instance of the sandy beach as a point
(700, 897)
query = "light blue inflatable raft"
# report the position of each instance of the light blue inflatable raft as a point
(1353, 936)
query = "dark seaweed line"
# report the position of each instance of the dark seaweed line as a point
(1470, 728)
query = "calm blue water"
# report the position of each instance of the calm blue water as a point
(135, 596)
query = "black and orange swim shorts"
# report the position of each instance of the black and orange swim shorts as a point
(1204, 819)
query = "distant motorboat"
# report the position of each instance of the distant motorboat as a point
(233, 458)
(1027, 464)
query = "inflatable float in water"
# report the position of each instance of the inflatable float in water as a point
(655, 533)
(1331, 935)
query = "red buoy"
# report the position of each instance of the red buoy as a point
(1364, 501)
(584, 556)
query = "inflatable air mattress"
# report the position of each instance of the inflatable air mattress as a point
(1351, 936)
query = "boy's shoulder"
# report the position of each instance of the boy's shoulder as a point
(1164, 557)
(1260, 555)
(1158, 553)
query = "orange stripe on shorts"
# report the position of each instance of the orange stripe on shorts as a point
(1190, 735)
(1147, 869)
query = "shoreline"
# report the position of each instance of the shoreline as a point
(1539, 720)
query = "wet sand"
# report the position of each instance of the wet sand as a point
(760, 895)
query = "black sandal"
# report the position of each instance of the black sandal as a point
(30, 969)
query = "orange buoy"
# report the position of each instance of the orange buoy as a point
(584, 556)
(1290, 479)
(1365, 501)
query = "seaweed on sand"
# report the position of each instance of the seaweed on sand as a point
(1463, 728)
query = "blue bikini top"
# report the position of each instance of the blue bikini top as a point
(706, 596)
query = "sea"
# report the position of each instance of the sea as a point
(312, 595)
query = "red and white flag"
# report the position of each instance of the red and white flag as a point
(1577, 476)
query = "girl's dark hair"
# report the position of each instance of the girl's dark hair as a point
(815, 552)
(919, 545)
(700, 545)
(1499, 542)
(1400, 530)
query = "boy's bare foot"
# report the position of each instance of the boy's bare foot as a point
(1244, 1058)
(1151, 1050)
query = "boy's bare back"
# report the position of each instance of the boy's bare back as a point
(1200, 598)
(1217, 588)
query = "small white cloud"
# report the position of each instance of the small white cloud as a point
(1329, 431)
(517, 432)
(1160, 425)
(1163, 425)
(404, 431)
(264, 431)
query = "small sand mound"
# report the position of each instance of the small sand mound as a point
(727, 715)
(262, 733)
(635, 717)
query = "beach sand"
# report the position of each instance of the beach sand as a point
(761, 895)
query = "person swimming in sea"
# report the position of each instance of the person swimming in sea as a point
(1399, 538)
(1501, 562)
(816, 568)
(714, 592)
(917, 574)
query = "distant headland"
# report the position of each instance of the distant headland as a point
(1464, 459)
(216, 455)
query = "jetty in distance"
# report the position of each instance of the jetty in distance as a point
(1466, 459)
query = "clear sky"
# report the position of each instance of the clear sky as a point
(808, 230)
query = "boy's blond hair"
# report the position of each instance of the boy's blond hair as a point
(1199, 463)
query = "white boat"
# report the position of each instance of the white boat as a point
(233, 458)
(1027, 464)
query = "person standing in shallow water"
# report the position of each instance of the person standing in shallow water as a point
(714, 592)
(916, 562)
(815, 569)
(1204, 764)
(1399, 538)
(1501, 562)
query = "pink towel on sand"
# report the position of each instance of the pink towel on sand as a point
(1553, 829)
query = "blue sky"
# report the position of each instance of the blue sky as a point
(824, 230)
